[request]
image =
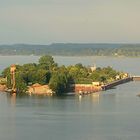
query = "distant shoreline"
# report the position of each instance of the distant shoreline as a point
(80, 56)
(73, 49)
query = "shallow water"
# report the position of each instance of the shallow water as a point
(109, 115)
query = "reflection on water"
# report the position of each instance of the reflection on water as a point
(96, 97)
(13, 99)
(80, 98)
(112, 114)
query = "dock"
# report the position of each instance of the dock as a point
(121, 81)
(136, 78)
(116, 83)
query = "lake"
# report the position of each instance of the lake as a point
(110, 115)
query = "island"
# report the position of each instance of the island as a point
(48, 78)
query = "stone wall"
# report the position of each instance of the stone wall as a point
(85, 88)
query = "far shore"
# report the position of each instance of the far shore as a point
(69, 56)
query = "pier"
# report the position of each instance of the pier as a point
(121, 81)
(116, 83)
(136, 78)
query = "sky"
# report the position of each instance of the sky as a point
(69, 21)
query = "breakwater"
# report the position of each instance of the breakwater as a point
(117, 82)
(136, 78)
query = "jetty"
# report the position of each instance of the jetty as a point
(121, 81)
(136, 78)
(116, 83)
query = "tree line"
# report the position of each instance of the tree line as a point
(71, 49)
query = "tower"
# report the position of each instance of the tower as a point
(93, 68)
(13, 80)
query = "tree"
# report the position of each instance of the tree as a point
(21, 85)
(42, 76)
(47, 62)
(59, 83)
(79, 65)
(6, 73)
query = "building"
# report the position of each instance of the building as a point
(39, 89)
(85, 88)
(93, 68)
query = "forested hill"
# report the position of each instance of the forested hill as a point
(70, 49)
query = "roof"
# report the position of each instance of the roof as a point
(36, 85)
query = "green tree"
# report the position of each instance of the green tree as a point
(47, 62)
(59, 83)
(21, 85)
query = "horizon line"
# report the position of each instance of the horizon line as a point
(75, 43)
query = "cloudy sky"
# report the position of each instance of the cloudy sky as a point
(48, 21)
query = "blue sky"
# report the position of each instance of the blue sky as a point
(48, 21)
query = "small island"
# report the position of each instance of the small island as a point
(47, 78)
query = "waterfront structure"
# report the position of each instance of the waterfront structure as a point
(93, 68)
(85, 88)
(39, 89)
(13, 80)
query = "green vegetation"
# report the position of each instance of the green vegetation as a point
(129, 50)
(59, 78)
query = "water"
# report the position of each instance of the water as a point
(110, 115)
(130, 65)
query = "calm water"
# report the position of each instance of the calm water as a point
(111, 115)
